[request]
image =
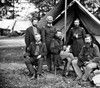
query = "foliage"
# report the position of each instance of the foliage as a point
(44, 6)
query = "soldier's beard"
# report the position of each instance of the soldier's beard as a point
(87, 45)
(76, 25)
(49, 24)
(58, 37)
(35, 25)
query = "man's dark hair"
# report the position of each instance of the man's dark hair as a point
(77, 19)
(34, 19)
(58, 31)
(88, 35)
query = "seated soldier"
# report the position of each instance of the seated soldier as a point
(66, 55)
(36, 52)
(89, 58)
(55, 48)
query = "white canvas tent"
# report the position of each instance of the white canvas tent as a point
(14, 25)
(7, 24)
(21, 25)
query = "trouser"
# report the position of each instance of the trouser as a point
(69, 57)
(49, 61)
(76, 68)
(89, 68)
(34, 62)
(76, 46)
(57, 60)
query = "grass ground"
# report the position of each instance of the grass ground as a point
(13, 72)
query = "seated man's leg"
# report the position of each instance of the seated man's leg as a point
(64, 70)
(69, 57)
(64, 55)
(59, 60)
(89, 68)
(49, 61)
(29, 65)
(76, 68)
(40, 65)
(67, 66)
(56, 62)
(69, 63)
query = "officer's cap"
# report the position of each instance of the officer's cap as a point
(77, 20)
(49, 18)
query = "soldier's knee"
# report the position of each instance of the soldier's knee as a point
(27, 62)
(91, 65)
(69, 59)
(70, 54)
(41, 59)
(74, 62)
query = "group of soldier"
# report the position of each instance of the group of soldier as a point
(46, 43)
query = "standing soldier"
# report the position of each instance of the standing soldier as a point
(77, 35)
(30, 33)
(89, 57)
(48, 32)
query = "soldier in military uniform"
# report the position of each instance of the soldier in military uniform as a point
(89, 57)
(30, 32)
(76, 37)
(55, 48)
(47, 33)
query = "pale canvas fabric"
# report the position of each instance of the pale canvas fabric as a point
(96, 79)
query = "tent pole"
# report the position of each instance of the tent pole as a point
(13, 9)
(65, 20)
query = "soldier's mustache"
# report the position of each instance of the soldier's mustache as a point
(87, 43)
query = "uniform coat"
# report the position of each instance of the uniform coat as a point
(89, 54)
(29, 36)
(32, 48)
(55, 48)
(76, 42)
(47, 34)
